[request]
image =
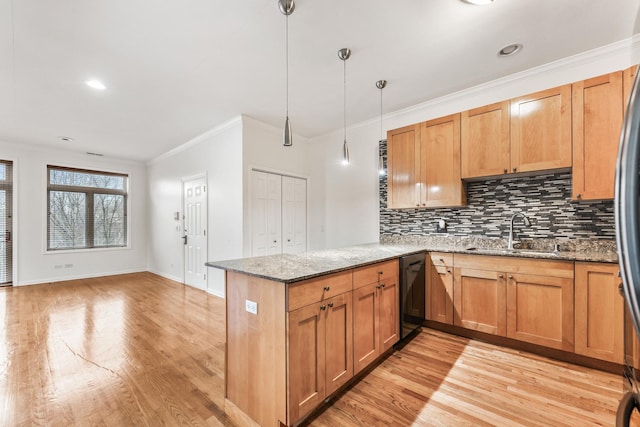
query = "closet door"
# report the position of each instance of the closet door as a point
(294, 214)
(266, 213)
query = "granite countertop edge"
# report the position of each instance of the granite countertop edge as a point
(291, 268)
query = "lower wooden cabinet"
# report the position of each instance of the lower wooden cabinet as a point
(480, 300)
(540, 310)
(375, 314)
(439, 297)
(320, 352)
(599, 317)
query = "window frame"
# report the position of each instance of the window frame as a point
(89, 192)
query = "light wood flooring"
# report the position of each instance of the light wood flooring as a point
(140, 350)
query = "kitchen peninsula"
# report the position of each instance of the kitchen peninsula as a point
(300, 327)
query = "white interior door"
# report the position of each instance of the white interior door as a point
(195, 232)
(294, 214)
(266, 213)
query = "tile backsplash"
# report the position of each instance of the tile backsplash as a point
(545, 199)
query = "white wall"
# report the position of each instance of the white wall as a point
(263, 150)
(32, 264)
(349, 194)
(218, 154)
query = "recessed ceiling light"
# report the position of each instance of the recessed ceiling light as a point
(65, 138)
(477, 2)
(510, 49)
(96, 84)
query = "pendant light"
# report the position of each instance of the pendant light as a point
(286, 8)
(344, 54)
(381, 84)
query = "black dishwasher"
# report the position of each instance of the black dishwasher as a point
(412, 293)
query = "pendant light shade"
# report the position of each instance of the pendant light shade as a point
(286, 8)
(381, 84)
(345, 54)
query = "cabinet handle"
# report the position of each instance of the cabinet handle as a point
(442, 260)
(418, 204)
(323, 307)
(510, 277)
(380, 286)
(424, 204)
(330, 305)
(505, 170)
(578, 196)
(326, 289)
(515, 169)
(380, 273)
(448, 271)
(500, 276)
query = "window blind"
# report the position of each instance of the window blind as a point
(6, 228)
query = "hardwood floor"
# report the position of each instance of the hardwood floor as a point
(142, 350)
(115, 351)
(443, 380)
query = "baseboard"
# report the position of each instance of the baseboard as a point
(78, 277)
(166, 276)
(216, 293)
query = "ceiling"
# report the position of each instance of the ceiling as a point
(175, 69)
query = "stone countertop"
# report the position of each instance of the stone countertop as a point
(289, 268)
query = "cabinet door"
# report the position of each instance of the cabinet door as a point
(597, 121)
(540, 310)
(628, 76)
(389, 316)
(599, 320)
(338, 331)
(440, 294)
(403, 165)
(480, 300)
(440, 163)
(307, 379)
(366, 340)
(485, 143)
(541, 130)
(294, 215)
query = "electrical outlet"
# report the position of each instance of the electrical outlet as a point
(441, 226)
(251, 306)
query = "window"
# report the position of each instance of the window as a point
(6, 210)
(86, 209)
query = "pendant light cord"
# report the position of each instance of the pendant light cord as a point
(345, 99)
(381, 114)
(287, 61)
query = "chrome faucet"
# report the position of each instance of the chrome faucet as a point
(513, 218)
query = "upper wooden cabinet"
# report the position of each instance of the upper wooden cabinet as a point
(485, 142)
(440, 163)
(597, 121)
(403, 167)
(424, 165)
(541, 130)
(628, 76)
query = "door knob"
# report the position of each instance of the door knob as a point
(185, 239)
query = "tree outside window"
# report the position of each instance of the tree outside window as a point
(87, 209)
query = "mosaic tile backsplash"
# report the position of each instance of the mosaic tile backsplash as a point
(545, 199)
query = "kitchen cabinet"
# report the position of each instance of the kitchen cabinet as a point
(541, 130)
(439, 296)
(424, 165)
(597, 121)
(599, 317)
(441, 185)
(628, 76)
(485, 141)
(480, 300)
(525, 299)
(375, 312)
(540, 309)
(403, 167)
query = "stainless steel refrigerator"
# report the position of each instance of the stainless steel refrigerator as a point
(627, 214)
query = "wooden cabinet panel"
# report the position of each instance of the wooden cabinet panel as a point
(540, 310)
(541, 130)
(375, 273)
(366, 339)
(389, 320)
(307, 379)
(597, 121)
(338, 331)
(441, 259)
(485, 141)
(599, 317)
(628, 76)
(440, 294)
(480, 300)
(440, 163)
(403, 167)
(318, 289)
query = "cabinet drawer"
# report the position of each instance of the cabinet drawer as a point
(321, 288)
(387, 270)
(441, 259)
